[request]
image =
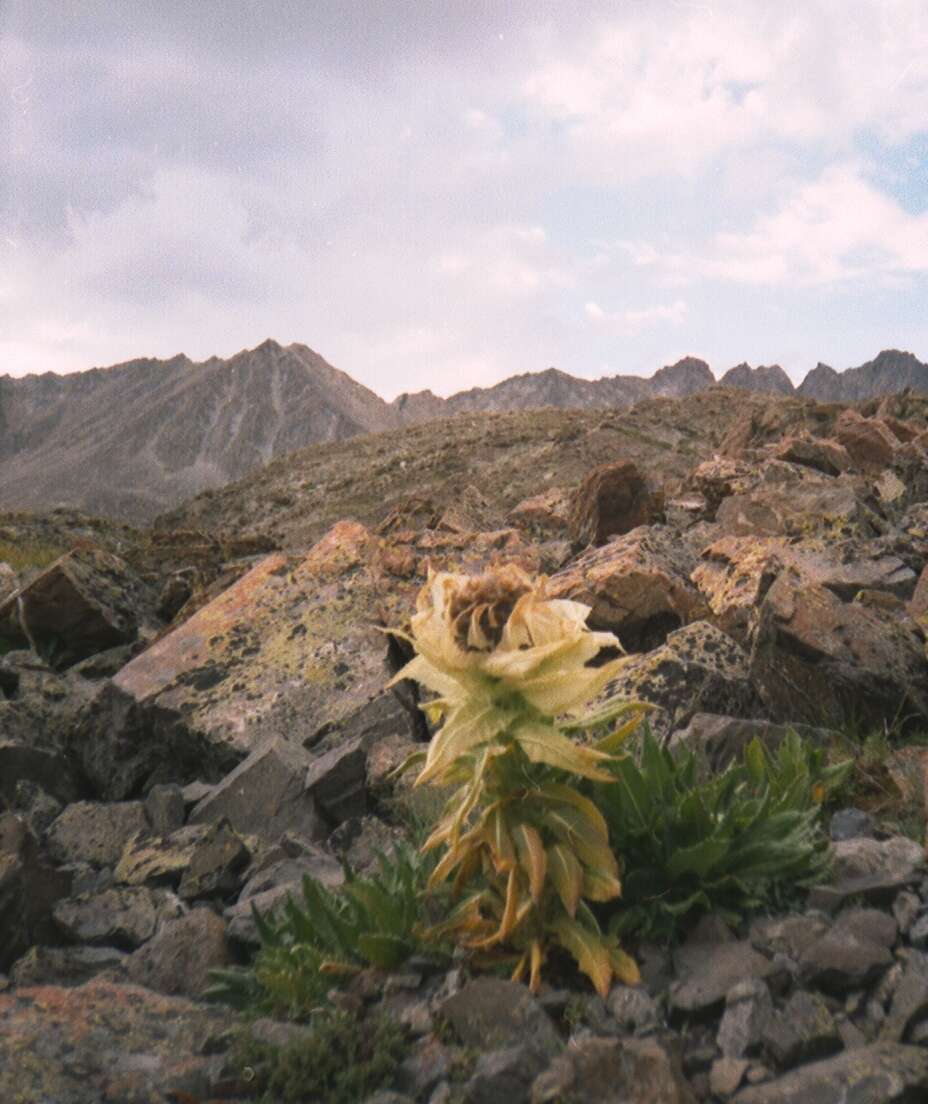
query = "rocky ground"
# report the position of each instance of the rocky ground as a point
(193, 717)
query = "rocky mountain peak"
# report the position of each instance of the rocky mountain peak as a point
(686, 376)
(765, 377)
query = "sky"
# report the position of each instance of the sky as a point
(443, 193)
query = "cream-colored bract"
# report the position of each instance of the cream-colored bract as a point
(516, 673)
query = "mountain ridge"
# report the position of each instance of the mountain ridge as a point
(137, 438)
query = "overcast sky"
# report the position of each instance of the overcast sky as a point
(442, 193)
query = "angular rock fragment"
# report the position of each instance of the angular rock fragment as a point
(94, 832)
(884, 1073)
(85, 602)
(265, 795)
(637, 586)
(178, 959)
(612, 499)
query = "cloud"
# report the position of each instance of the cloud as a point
(630, 322)
(838, 229)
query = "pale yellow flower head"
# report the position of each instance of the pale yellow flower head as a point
(500, 653)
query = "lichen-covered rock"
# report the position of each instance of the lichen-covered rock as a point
(698, 668)
(612, 499)
(812, 506)
(95, 832)
(637, 586)
(719, 478)
(105, 1042)
(828, 457)
(869, 441)
(734, 574)
(546, 512)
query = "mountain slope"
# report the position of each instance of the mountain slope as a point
(137, 438)
(765, 377)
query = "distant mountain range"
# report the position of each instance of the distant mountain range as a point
(132, 440)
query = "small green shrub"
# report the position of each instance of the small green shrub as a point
(726, 843)
(341, 1062)
(370, 921)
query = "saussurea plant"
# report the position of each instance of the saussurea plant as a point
(728, 842)
(524, 850)
(305, 950)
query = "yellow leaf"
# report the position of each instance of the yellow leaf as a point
(590, 950)
(566, 874)
(544, 744)
(564, 795)
(624, 966)
(600, 885)
(537, 959)
(614, 740)
(532, 857)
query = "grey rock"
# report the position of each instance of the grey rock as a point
(707, 971)
(614, 1071)
(884, 1073)
(67, 965)
(872, 869)
(906, 908)
(748, 1009)
(165, 808)
(265, 795)
(217, 865)
(726, 1075)
(337, 781)
(909, 1000)
(852, 953)
(918, 933)
(122, 918)
(505, 1074)
(851, 824)
(803, 1031)
(491, 1014)
(633, 1008)
(93, 832)
(38, 808)
(178, 959)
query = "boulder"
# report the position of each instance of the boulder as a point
(614, 1071)
(852, 953)
(733, 576)
(813, 506)
(707, 971)
(612, 499)
(29, 889)
(290, 650)
(107, 1041)
(121, 917)
(87, 601)
(217, 865)
(96, 833)
(828, 457)
(699, 667)
(179, 958)
(884, 1073)
(868, 441)
(802, 1031)
(719, 478)
(160, 860)
(819, 660)
(718, 740)
(637, 586)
